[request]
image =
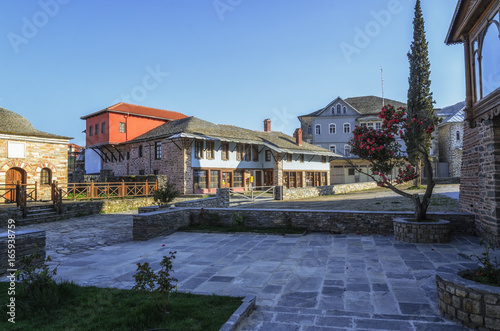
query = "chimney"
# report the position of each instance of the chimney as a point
(267, 125)
(298, 136)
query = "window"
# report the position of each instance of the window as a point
(344, 110)
(156, 172)
(333, 148)
(214, 178)
(198, 149)
(140, 151)
(338, 109)
(317, 129)
(347, 128)
(458, 135)
(347, 150)
(240, 152)
(309, 130)
(268, 155)
(289, 157)
(332, 128)
(350, 172)
(323, 179)
(158, 150)
(91, 129)
(255, 153)
(378, 125)
(210, 149)
(248, 152)
(333, 110)
(142, 172)
(128, 155)
(238, 179)
(224, 151)
(301, 158)
(45, 176)
(123, 127)
(200, 179)
(323, 159)
(309, 179)
(96, 129)
(103, 127)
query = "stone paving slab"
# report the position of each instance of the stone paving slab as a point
(317, 283)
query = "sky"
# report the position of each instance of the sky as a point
(232, 62)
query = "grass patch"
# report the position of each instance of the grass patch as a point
(93, 308)
(232, 229)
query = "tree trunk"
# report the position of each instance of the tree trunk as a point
(418, 170)
(420, 209)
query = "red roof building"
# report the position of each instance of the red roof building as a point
(120, 123)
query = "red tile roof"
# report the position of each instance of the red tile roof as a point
(143, 111)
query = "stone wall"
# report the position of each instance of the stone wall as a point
(479, 186)
(175, 162)
(422, 232)
(472, 304)
(38, 155)
(337, 222)
(315, 191)
(26, 243)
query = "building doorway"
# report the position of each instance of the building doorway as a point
(13, 176)
(226, 180)
(258, 178)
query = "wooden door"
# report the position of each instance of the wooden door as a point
(268, 178)
(226, 180)
(258, 178)
(13, 176)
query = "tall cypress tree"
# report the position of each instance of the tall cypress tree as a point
(420, 103)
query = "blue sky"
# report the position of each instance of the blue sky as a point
(226, 61)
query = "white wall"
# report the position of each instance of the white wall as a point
(232, 163)
(92, 162)
(314, 164)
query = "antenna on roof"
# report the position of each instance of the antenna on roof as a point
(382, 77)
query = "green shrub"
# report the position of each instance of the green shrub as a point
(165, 194)
(161, 284)
(238, 220)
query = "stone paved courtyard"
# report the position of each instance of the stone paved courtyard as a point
(318, 281)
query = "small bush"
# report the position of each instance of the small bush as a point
(161, 284)
(488, 272)
(165, 194)
(238, 220)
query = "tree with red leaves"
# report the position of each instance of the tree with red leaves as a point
(385, 153)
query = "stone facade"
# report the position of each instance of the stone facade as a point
(26, 243)
(479, 185)
(473, 304)
(422, 232)
(450, 148)
(39, 153)
(150, 225)
(311, 192)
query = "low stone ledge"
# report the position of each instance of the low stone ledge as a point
(472, 304)
(422, 232)
(26, 243)
(243, 311)
(150, 225)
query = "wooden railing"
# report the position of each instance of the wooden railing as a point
(21, 198)
(8, 192)
(57, 199)
(98, 190)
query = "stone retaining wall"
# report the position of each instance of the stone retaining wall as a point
(150, 225)
(422, 232)
(26, 243)
(311, 192)
(472, 304)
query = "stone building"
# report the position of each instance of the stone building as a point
(475, 24)
(116, 124)
(451, 131)
(29, 156)
(198, 157)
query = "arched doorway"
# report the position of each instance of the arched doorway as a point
(13, 176)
